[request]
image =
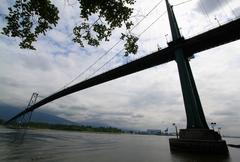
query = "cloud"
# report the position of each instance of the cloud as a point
(225, 113)
(236, 11)
(209, 6)
(218, 10)
(138, 116)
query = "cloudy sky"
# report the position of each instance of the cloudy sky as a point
(150, 99)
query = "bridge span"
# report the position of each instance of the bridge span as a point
(221, 35)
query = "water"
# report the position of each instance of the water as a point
(51, 145)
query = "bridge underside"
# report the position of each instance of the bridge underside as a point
(213, 38)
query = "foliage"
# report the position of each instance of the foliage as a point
(70, 127)
(27, 19)
(130, 46)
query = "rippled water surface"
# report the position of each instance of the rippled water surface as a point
(50, 145)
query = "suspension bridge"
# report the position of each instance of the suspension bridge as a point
(180, 50)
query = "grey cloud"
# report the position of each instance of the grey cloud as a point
(236, 11)
(112, 114)
(67, 110)
(155, 97)
(14, 84)
(138, 116)
(6, 81)
(68, 114)
(209, 6)
(36, 63)
(72, 111)
(120, 122)
(77, 108)
(225, 113)
(117, 119)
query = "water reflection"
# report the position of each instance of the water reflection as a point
(49, 145)
(183, 157)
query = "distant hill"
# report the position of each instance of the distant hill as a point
(8, 111)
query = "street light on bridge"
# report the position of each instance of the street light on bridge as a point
(219, 130)
(175, 129)
(213, 125)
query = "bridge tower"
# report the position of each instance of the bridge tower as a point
(23, 120)
(193, 107)
(197, 136)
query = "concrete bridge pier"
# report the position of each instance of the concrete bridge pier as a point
(197, 137)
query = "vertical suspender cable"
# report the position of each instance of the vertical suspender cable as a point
(230, 7)
(204, 11)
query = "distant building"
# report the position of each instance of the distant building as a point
(154, 131)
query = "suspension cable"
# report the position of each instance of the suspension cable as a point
(230, 7)
(99, 58)
(204, 10)
(222, 8)
(139, 35)
(178, 4)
